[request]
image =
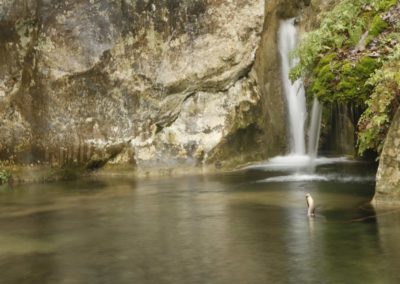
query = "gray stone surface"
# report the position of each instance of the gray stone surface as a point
(388, 176)
(160, 81)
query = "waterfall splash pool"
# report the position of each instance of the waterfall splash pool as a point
(237, 227)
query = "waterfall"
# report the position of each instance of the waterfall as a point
(301, 162)
(296, 99)
(314, 129)
(294, 92)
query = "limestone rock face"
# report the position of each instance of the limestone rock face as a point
(136, 81)
(267, 67)
(388, 176)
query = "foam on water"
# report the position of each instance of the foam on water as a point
(293, 178)
(319, 178)
(291, 162)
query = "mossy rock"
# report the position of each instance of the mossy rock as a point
(324, 77)
(327, 59)
(351, 86)
(366, 65)
(385, 5)
(377, 26)
(342, 81)
(355, 34)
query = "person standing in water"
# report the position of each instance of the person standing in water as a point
(310, 205)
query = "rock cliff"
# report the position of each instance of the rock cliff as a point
(388, 176)
(130, 81)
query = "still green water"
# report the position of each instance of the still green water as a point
(248, 226)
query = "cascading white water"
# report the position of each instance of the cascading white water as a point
(314, 129)
(296, 99)
(294, 92)
(301, 161)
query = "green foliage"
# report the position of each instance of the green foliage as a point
(351, 85)
(332, 34)
(383, 5)
(377, 26)
(356, 33)
(340, 65)
(341, 81)
(340, 28)
(5, 176)
(381, 106)
(324, 77)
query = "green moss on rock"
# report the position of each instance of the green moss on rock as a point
(342, 81)
(351, 86)
(324, 77)
(377, 26)
(384, 5)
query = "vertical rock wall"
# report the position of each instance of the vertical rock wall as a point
(267, 67)
(388, 176)
(132, 81)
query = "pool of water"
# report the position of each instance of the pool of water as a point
(248, 226)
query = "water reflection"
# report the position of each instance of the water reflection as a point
(206, 229)
(388, 220)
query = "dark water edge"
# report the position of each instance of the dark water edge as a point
(247, 226)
